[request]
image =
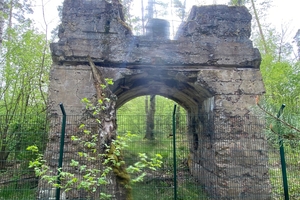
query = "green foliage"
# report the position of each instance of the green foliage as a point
(133, 112)
(24, 192)
(144, 163)
(180, 9)
(131, 17)
(109, 81)
(136, 106)
(25, 73)
(16, 133)
(237, 2)
(284, 131)
(278, 68)
(280, 74)
(160, 8)
(292, 161)
(91, 152)
(98, 107)
(93, 177)
(159, 183)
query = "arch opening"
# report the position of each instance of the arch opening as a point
(177, 86)
(132, 117)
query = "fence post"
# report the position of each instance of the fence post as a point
(282, 157)
(174, 153)
(61, 148)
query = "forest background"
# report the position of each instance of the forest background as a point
(25, 61)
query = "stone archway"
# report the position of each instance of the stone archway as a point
(211, 68)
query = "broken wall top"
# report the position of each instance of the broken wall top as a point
(215, 35)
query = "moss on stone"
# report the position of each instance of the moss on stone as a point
(123, 178)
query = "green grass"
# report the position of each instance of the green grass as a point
(293, 173)
(161, 190)
(13, 193)
(159, 185)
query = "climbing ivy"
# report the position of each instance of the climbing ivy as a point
(92, 176)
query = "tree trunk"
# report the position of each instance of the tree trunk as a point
(1, 20)
(183, 11)
(172, 21)
(150, 9)
(118, 186)
(150, 119)
(10, 17)
(4, 152)
(143, 17)
(178, 119)
(3, 157)
(107, 115)
(146, 105)
(297, 40)
(259, 27)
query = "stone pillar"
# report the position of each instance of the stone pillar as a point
(231, 157)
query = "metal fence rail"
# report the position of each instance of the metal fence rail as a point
(17, 181)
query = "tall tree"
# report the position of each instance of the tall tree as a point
(237, 2)
(157, 9)
(143, 17)
(24, 84)
(180, 9)
(1, 20)
(131, 17)
(150, 113)
(24, 74)
(279, 71)
(150, 9)
(261, 33)
(150, 119)
(297, 40)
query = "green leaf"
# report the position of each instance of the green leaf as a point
(81, 126)
(109, 81)
(82, 168)
(74, 138)
(33, 148)
(85, 101)
(74, 163)
(103, 86)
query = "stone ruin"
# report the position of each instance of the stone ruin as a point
(211, 69)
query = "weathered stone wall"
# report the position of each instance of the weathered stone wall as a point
(210, 37)
(211, 69)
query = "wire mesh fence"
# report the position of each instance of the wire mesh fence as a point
(17, 181)
(211, 161)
